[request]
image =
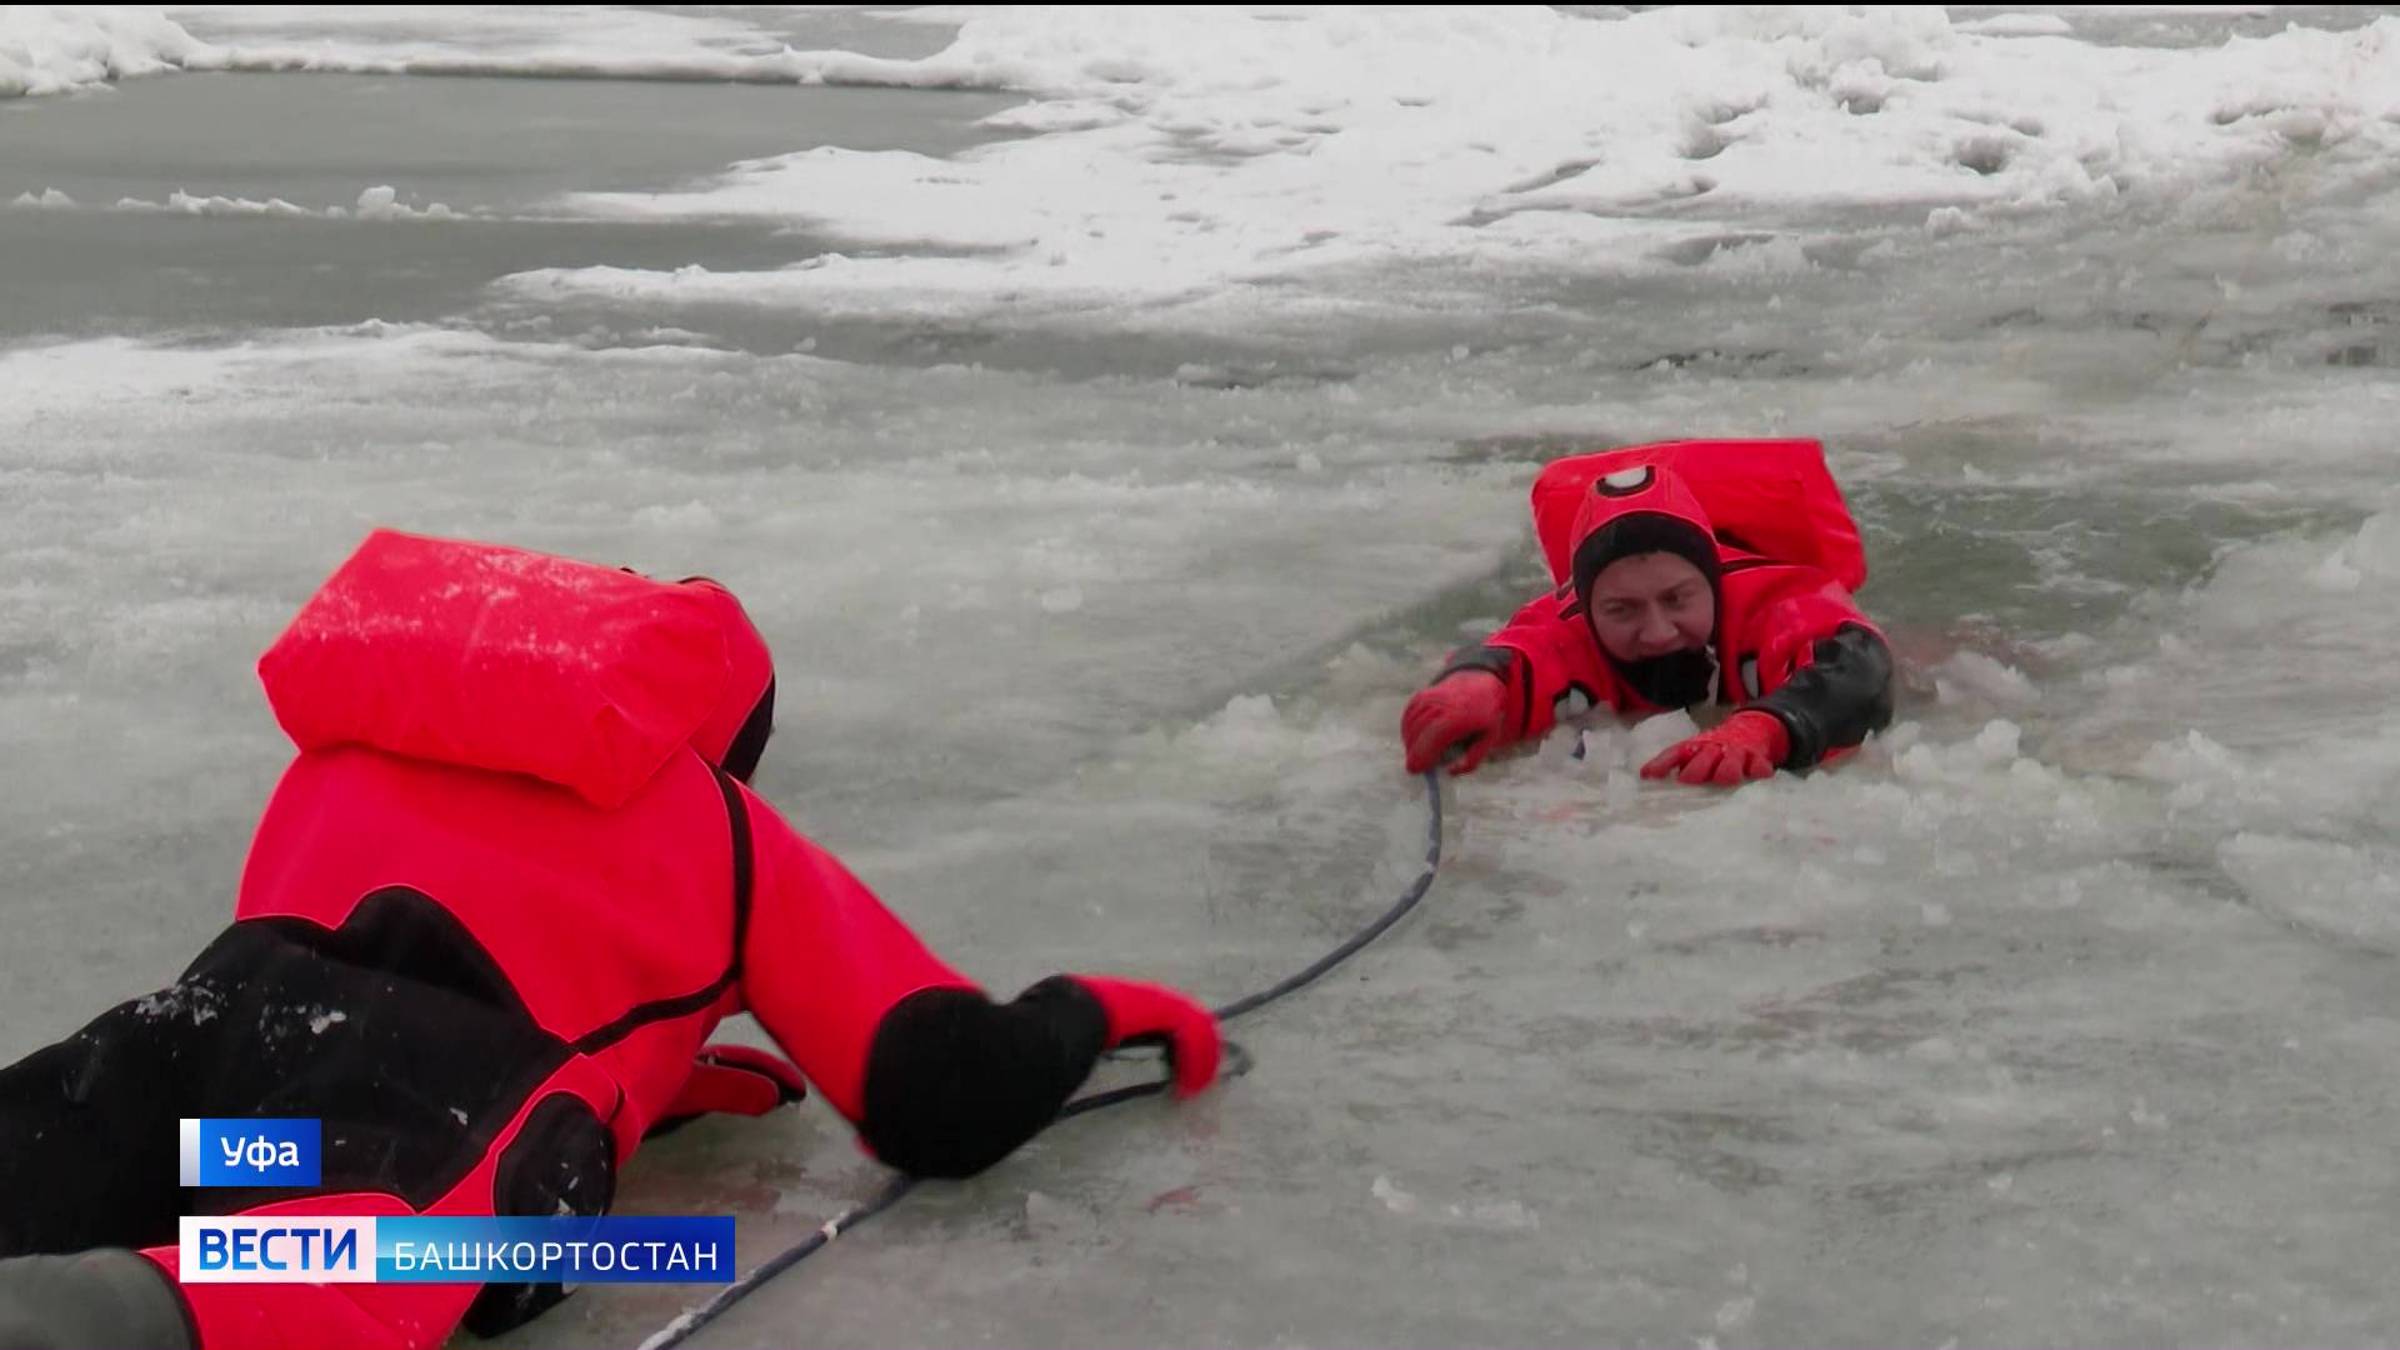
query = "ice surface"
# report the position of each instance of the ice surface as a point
(2060, 1015)
(51, 49)
(1209, 149)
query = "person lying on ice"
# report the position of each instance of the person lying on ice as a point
(493, 912)
(1687, 572)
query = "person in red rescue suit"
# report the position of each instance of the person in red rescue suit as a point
(1687, 572)
(495, 908)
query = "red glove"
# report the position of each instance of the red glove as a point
(739, 1080)
(1746, 745)
(1469, 709)
(1144, 1012)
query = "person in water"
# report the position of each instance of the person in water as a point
(495, 909)
(1687, 573)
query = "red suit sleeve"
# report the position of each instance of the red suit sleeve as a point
(825, 961)
(1547, 657)
(1824, 671)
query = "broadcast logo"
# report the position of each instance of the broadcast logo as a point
(412, 1248)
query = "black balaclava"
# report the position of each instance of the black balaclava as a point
(1678, 679)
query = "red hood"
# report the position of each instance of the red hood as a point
(1774, 498)
(1642, 508)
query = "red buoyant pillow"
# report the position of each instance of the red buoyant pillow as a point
(496, 658)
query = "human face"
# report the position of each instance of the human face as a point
(1651, 605)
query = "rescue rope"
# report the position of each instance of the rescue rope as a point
(1238, 1063)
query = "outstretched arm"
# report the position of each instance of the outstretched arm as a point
(940, 1079)
(1510, 689)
